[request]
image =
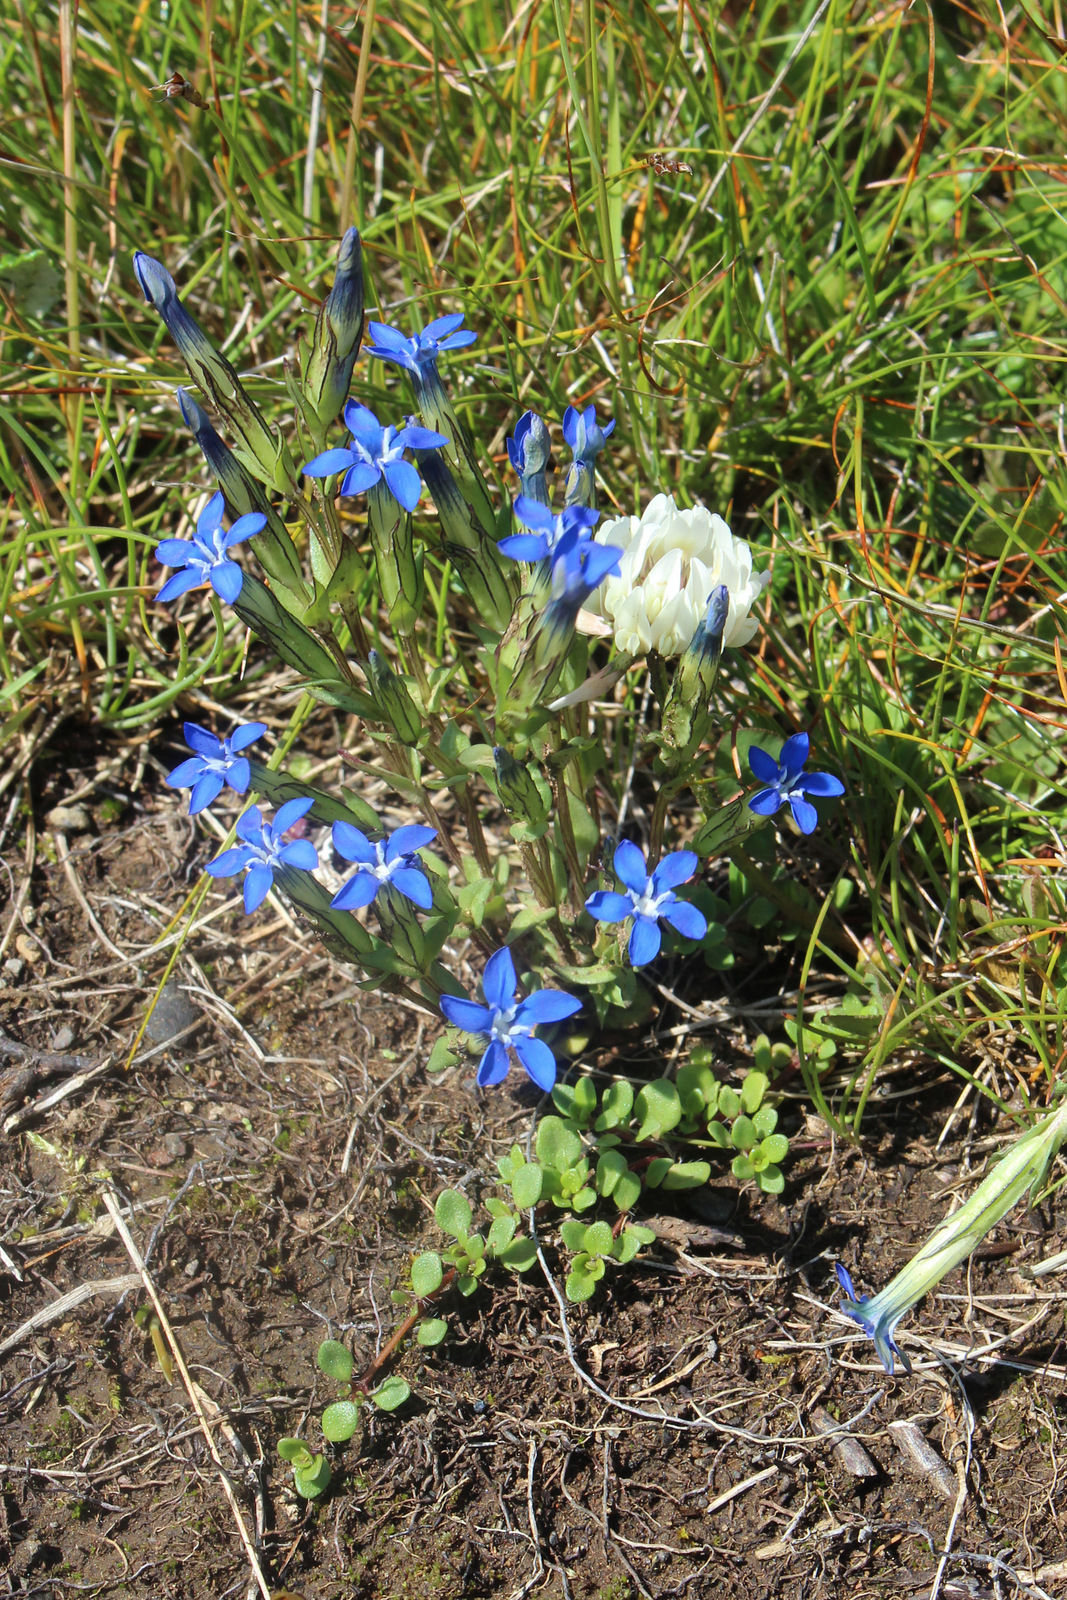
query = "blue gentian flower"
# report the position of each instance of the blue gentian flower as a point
(584, 434)
(579, 564)
(878, 1323)
(263, 850)
(418, 352)
(205, 556)
(649, 899)
(787, 783)
(375, 453)
(528, 452)
(390, 864)
(550, 530)
(509, 1023)
(215, 763)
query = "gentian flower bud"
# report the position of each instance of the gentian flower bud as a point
(338, 333)
(586, 439)
(528, 452)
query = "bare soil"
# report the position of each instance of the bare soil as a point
(276, 1161)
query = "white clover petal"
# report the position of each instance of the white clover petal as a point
(672, 560)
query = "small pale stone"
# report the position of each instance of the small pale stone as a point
(173, 1012)
(69, 819)
(64, 1038)
(27, 948)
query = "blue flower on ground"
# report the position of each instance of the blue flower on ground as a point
(205, 557)
(420, 350)
(263, 850)
(584, 434)
(649, 900)
(550, 530)
(391, 863)
(375, 453)
(509, 1023)
(878, 1322)
(787, 783)
(215, 763)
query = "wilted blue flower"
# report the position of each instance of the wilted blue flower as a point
(205, 557)
(788, 783)
(879, 1322)
(215, 763)
(420, 350)
(649, 900)
(528, 452)
(263, 850)
(390, 863)
(550, 530)
(509, 1023)
(374, 453)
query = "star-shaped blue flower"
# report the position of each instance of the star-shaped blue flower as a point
(878, 1322)
(205, 557)
(509, 1023)
(550, 531)
(788, 783)
(389, 864)
(418, 352)
(263, 849)
(649, 900)
(215, 763)
(375, 453)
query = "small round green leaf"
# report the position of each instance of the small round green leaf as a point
(335, 1360)
(520, 1255)
(658, 1109)
(453, 1213)
(558, 1145)
(527, 1184)
(426, 1274)
(311, 1481)
(776, 1148)
(432, 1331)
(391, 1393)
(340, 1421)
(296, 1452)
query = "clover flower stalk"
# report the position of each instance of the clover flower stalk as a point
(788, 783)
(1020, 1170)
(508, 1023)
(262, 451)
(528, 451)
(336, 340)
(586, 439)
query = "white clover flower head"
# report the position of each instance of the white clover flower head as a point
(672, 560)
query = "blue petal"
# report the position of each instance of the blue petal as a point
(245, 527)
(211, 516)
(226, 580)
(205, 790)
(606, 906)
(360, 477)
(349, 842)
(456, 341)
(498, 980)
(415, 885)
(804, 815)
(630, 866)
(674, 869)
(645, 940)
(200, 740)
(230, 861)
(532, 514)
(539, 1062)
(763, 766)
(546, 1005)
(173, 552)
(181, 583)
(289, 813)
(247, 734)
(299, 853)
(359, 891)
(413, 437)
(185, 773)
(466, 1014)
(524, 546)
(794, 753)
(258, 884)
(239, 775)
(405, 485)
(689, 922)
(844, 1278)
(441, 326)
(250, 825)
(821, 783)
(405, 841)
(329, 462)
(363, 425)
(493, 1067)
(766, 803)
